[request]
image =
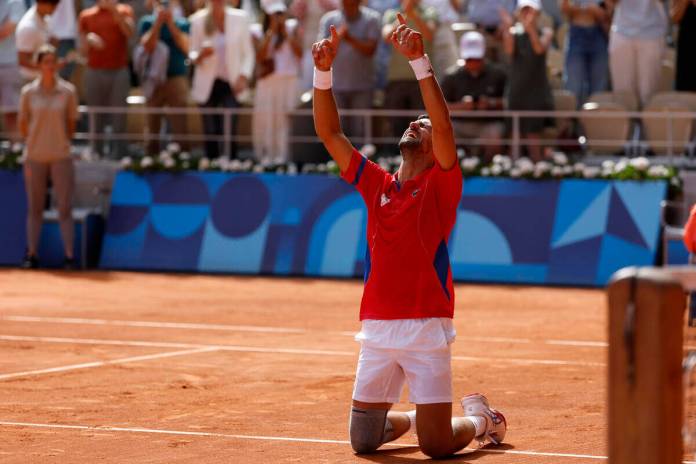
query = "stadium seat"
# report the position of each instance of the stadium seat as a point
(605, 135)
(688, 98)
(657, 130)
(628, 101)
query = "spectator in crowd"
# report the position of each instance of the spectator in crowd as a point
(104, 31)
(485, 15)
(586, 68)
(636, 46)
(278, 58)
(444, 40)
(161, 26)
(32, 32)
(309, 14)
(63, 27)
(11, 12)
(354, 70)
(222, 51)
(402, 90)
(384, 49)
(528, 85)
(684, 15)
(477, 85)
(47, 116)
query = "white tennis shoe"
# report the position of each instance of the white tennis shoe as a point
(477, 405)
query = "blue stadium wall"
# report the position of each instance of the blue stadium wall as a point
(570, 232)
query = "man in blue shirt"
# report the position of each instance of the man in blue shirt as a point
(162, 26)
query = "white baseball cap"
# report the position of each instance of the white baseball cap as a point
(273, 6)
(472, 45)
(535, 4)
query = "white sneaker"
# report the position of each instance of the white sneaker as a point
(477, 405)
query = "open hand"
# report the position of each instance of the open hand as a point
(407, 41)
(325, 50)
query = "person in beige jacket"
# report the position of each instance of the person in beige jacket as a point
(221, 50)
(47, 116)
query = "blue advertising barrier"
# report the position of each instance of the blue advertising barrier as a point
(13, 237)
(572, 232)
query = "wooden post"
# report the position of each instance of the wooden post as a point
(646, 317)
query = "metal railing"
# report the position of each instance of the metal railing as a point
(514, 140)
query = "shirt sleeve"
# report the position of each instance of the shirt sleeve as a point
(365, 175)
(25, 39)
(449, 189)
(690, 231)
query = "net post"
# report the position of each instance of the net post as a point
(646, 316)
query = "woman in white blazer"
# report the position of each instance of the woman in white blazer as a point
(222, 52)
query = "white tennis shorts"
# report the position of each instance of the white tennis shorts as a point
(393, 352)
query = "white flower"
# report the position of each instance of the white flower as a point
(5, 145)
(579, 167)
(525, 165)
(224, 164)
(185, 156)
(258, 169)
(146, 162)
(607, 172)
(567, 170)
(308, 167)
(461, 153)
(203, 164)
(126, 162)
(560, 158)
(331, 165)
(280, 170)
(163, 155)
(469, 164)
(658, 171)
(620, 166)
(607, 165)
(590, 172)
(321, 167)
(501, 159)
(496, 170)
(557, 171)
(173, 147)
(641, 163)
(515, 173)
(292, 169)
(215, 164)
(17, 147)
(485, 172)
(368, 150)
(169, 163)
(246, 165)
(236, 165)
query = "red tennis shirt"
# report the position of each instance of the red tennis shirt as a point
(407, 268)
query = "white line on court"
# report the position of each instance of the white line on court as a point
(89, 365)
(253, 349)
(263, 329)
(269, 438)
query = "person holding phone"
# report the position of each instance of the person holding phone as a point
(173, 31)
(223, 55)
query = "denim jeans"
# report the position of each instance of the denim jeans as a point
(586, 68)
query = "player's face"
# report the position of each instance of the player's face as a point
(417, 137)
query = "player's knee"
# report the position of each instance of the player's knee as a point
(368, 428)
(435, 450)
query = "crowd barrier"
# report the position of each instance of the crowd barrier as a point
(567, 232)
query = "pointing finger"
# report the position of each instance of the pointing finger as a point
(401, 19)
(334, 36)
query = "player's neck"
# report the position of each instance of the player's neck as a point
(412, 167)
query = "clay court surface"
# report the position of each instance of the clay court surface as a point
(148, 368)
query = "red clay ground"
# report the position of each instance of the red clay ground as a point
(230, 369)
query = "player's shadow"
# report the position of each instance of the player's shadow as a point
(400, 455)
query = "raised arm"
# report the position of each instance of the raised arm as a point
(326, 121)
(409, 43)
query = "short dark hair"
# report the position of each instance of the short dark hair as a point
(45, 49)
(52, 2)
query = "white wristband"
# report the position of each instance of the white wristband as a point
(322, 79)
(422, 67)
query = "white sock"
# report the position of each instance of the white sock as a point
(412, 417)
(479, 424)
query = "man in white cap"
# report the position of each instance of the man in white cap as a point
(476, 85)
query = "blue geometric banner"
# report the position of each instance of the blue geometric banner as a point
(572, 232)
